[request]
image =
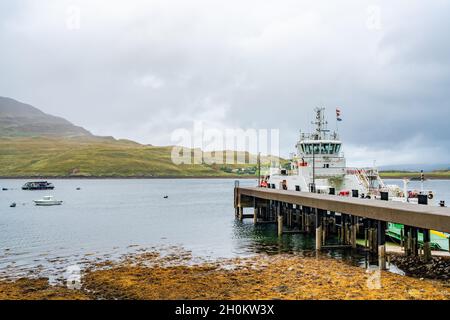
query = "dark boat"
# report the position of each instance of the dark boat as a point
(38, 185)
(13, 205)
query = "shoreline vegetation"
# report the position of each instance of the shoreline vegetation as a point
(130, 177)
(154, 276)
(434, 175)
(384, 175)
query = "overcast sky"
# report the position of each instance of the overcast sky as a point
(141, 69)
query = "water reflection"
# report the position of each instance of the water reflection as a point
(263, 239)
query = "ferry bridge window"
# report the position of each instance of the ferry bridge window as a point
(338, 148)
(307, 148)
(316, 148)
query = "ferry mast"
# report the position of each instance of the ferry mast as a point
(321, 123)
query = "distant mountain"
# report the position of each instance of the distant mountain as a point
(22, 120)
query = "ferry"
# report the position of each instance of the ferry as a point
(319, 165)
(38, 185)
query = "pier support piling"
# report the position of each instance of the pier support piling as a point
(318, 229)
(255, 211)
(415, 241)
(280, 219)
(353, 231)
(426, 245)
(423, 200)
(381, 237)
(343, 229)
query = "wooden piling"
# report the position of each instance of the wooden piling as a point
(280, 219)
(426, 245)
(307, 212)
(255, 211)
(415, 242)
(423, 200)
(353, 232)
(402, 240)
(408, 246)
(382, 257)
(318, 229)
(344, 228)
(280, 225)
(365, 239)
(381, 239)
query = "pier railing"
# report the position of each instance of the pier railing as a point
(427, 217)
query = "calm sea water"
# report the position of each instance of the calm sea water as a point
(109, 218)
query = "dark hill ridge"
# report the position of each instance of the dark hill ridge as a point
(36, 144)
(20, 119)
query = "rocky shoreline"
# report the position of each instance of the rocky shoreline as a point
(155, 276)
(438, 268)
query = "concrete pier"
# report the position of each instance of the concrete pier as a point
(296, 211)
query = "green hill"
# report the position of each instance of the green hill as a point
(92, 157)
(438, 174)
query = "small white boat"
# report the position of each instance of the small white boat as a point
(48, 201)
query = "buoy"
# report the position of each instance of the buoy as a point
(78, 188)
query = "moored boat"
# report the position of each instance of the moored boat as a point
(38, 185)
(48, 201)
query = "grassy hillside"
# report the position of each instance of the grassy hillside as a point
(99, 157)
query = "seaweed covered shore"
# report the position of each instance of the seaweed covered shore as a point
(152, 276)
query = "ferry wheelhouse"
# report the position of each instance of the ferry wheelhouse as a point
(319, 165)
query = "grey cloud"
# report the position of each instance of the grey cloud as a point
(141, 70)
